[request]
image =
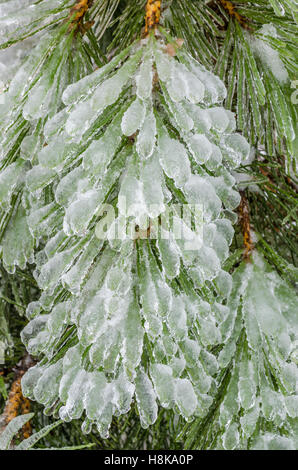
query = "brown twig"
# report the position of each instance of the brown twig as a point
(77, 14)
(245, 225)
(16, 403)
(153, 9)
(233, 13)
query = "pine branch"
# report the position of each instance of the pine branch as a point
(241, 59)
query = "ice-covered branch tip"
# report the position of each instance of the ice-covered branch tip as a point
(245, 225)
(153, 8)
(233, 13)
